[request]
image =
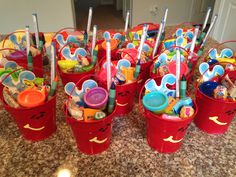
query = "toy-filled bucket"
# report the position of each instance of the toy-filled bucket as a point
(92, 137)
(70, 76)
(36, 123)
(125, 93)
(163, 135)
(214, 116)
(20, 56)
(190, 66)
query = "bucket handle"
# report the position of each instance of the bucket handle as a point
(217, 47)
(8, 35)
(64, 29)
(18, 51)
(178, 26)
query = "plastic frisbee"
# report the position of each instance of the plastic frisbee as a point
(114, 44)
(96, 98)
(183, 68)
(208, 87)
(31, 98)
(155, 101)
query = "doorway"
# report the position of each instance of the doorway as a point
(199, 9)
(107, 14)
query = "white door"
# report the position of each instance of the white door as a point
(226, 27)
(199, 10)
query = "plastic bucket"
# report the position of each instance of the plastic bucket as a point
(165, 136)
(91, 137)
(37, 123)
(72, 77)
(125, 93)
(214, 116)
(189, 75)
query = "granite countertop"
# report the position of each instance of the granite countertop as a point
(201, 155)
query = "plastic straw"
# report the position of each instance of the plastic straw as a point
(145, 28)
(89, 19)
(108, 52)
(193, 43)
(53, 62)
(94, 37)
(36, 29)
(206, 18)
(165, 18)
(177, 72)
(209, 30)
(158, 38)
(27, 39)
(127, 21)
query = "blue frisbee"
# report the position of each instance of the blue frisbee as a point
(155, 101)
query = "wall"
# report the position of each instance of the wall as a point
(225, 28)
(52, 14)
(179, 11)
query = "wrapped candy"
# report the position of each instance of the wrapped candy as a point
(186, 112)
(220, 92)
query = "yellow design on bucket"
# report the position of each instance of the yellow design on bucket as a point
(214, 119)
(170, 139)
(27, 126)
(95, 140)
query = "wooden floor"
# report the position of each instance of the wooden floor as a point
(104, 16)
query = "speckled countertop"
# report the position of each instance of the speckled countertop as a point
(201, 154)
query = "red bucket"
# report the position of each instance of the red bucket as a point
(214, 116)
(145, 67)
(193, 62)
(165, 136)
(72, 77)
(91, 137)
(125, 93)
(37, 123)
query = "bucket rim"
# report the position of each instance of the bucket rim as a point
(69, 117)
(212, 99)
(24, 108)
(156, 116)
(61, 72)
